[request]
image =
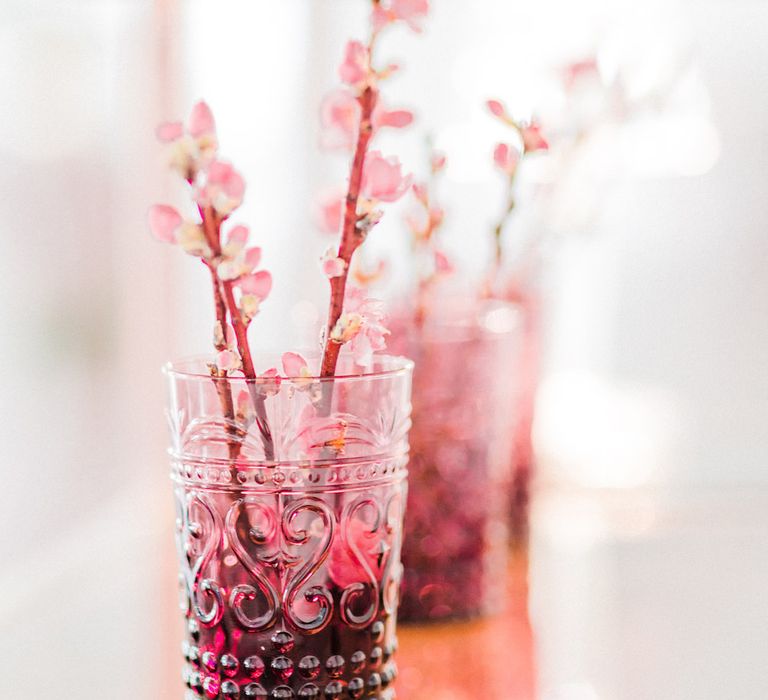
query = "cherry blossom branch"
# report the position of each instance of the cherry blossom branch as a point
(353, 118)
(226, 297)
(424, 228)
(223, 387)
(257, 397)
(498, 230)
(507, 158)
(218, 190)
(352, 236)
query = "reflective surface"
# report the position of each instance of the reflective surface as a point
(642, 595)
(488, 658)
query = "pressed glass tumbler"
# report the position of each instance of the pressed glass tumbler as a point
(290, 500)
(465, 389)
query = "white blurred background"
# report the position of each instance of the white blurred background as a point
(649, 557)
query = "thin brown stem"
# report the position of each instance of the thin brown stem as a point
(225, 298)
(257, 397)
(351, 236)
(220, 381)
(498, 232)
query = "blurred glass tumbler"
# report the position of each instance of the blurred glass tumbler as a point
(464, 395)
(290, 567)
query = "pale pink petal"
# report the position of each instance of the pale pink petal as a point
(438, 162)
(293, 364)
(259, 284)
(333, 267)
(354, 68)
(354, 298)
(235, 186)
(362, 351)
(238, 235)
(231, 336)
(501, 155)
(164, 221)
(201, 120)
(383, 178)
(339, 117)
(380, 18)
(420, 190)
(442, 264)
(533, 139)
(272, 382)
(398, 119)
(169, 131)
(410, 11)
(329, 210)
(224, 189)
(497, 109)
(252, 258)
(227, 360)
(219, 172)
(225, 176)
(506, 157)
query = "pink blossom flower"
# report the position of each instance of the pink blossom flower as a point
(412, 12)
(397, 118)
(295, 365)
(497, 109)
(223, 190)
(192, 240)
(271, 381)
(356, 65)
(237, 260)
(296, 370)
(383, 178)
(333, 266)
(329, 211)
(166, 225)
(529, 133)
(201, 122)
(339, 117)
(250, 305)
(437, 162)
(192, 149)
(236, 240)
(222, 338)
(252, 258)
(421, 192)
(228, 360)
(361, 325)
(164, 222)
(533, 139)
(442, 263)
(506, 157)
(258, 284)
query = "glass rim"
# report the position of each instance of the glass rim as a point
(401, 366)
